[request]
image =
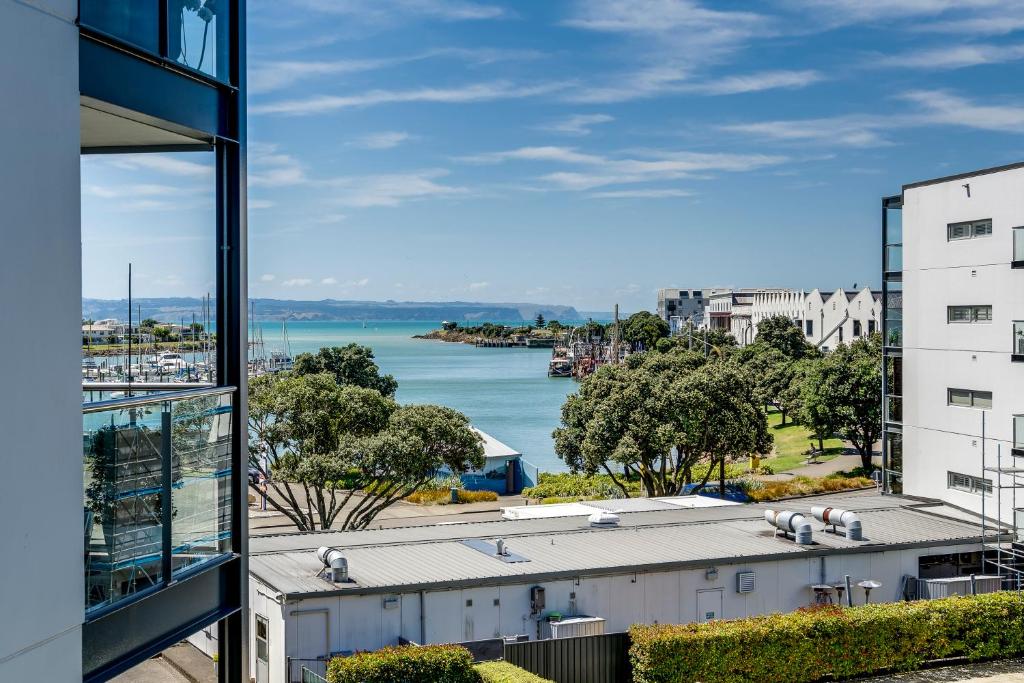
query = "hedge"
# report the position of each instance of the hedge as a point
(406, 664)
(830, 641)
(503, 672)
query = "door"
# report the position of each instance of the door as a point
(311, 640)
(709, 605)
(262, 650)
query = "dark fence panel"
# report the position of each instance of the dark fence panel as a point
(585, 659)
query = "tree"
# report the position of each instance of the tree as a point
(779, 332)
(772, 372)
(148, 323)
(842, 392)
(350, 365)
(162, 333)
(645, 329)
(322, 446)
(539, 321)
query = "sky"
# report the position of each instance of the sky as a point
(581, 153)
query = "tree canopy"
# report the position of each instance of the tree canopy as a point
(644, 328)
(350, 365)
(780, 333)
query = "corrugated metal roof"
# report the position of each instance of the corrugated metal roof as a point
(426, 556)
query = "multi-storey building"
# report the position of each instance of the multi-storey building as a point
(154, 480)
(679, 307)
(953, 271)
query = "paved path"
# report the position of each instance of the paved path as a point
(1006, 671)
(155, 670)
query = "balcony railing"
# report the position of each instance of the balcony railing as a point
(1018, 341)
(192, 34)
(157, 490)
(1018, 434)
(1018, 247)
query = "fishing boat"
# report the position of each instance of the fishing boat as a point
(560, 367)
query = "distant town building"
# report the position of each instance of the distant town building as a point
(678, 307)
(953, 277)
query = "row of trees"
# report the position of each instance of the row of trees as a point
(692, 404)
(328, 439)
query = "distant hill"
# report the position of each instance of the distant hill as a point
(171, 309)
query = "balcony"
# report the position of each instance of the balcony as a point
(194, 35)
(157, 491)
(1017, 354)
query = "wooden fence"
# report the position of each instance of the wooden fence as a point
(584, 659)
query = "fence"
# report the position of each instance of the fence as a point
(297, 668)
(584, 659)
(309, 676)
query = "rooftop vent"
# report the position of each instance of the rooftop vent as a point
(603, 518)
(790, 522)
(835, 517)
(334, 562)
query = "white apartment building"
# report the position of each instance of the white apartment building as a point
(954, 331)
(826, 318)
(679, 306)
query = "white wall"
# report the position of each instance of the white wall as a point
(363, 623)
(40, 295)
(937, 273)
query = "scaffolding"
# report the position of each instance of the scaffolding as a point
(1002, 550)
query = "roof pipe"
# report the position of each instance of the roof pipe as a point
(788, 521)
(335, 561)
(837, 517)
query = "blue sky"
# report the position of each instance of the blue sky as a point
(581, 153)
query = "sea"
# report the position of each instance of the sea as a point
(504, 392)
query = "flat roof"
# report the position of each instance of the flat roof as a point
(964, 176)
(494, 448)
(436, 557)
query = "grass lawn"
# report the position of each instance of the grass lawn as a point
(792, 441)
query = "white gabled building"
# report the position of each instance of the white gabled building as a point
(954, 332)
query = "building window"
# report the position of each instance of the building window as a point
(262, 638)
(969, 314)
(969, 230)
(968, 398)
(871, 327)
(1018, 434)
(840, 335)
(968, 483)
(1018, 246)
(1018, 337)
(810, 328)
(857, 328)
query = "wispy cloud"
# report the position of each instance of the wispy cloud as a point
(476, 92)
(952, 57)
(392, 10)
(162, 163)
(137, 190)
(382, 140)
(477, 286)
(960, 17)
(269, 167)
(273, 75)
(642, 194)
(267, 277)
(944, 108)
(852, 130)
(298, 282)
(392, 189)
(756, 82)
(576, 124)
(600, 170)
(257, 204)
(329, 281)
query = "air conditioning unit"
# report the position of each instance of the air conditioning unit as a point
(577, 626)
(745, 582)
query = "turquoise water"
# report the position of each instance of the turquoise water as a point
(504, 392)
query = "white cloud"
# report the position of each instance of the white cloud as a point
(576, 124)
(382, 140)
(853, 130)
(944, 108)
(756, 82)
(679, 18)
(259, 204)
(329, 281)
(392, 10)
(268, 76)
(162, 163)
(602, 170)
(952, 57)
(267, 277)
(475, 92)
(139, 190)
(361, 282)
(642, 194)
(298, 282)
(476, 286)
(270, 168)
(392, 189)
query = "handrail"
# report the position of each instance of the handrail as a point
(161, 397)
(144, 386)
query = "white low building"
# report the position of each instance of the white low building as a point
(663, 564)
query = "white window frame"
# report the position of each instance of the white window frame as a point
(968, 483)
(973, 311)
(973, 395)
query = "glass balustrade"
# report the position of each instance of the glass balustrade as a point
(1018, 245)
(157, 489)
(1018, 338)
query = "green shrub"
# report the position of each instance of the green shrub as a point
(576, 486)
(407, 664)
(444, 496)
(823, 642)
(503, 672)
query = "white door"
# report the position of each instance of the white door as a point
(310, 640)
(709, 605)
(262, 650)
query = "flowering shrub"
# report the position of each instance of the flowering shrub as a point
(830, 642)
(503, 672)
(407, 664)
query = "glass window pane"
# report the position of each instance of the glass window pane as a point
(198, 35)
(983, 313)
(133, 21)
(1018, 244)
(982, 399)
(1018, 431)
(982, 228)
(893, 226)
(201, 452)
(959, 314)
(959, 231)
(1018, 337)
(123, 503)
(960, 397)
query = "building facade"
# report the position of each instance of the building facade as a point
(954, 339)
(678, 307)
(155, 481)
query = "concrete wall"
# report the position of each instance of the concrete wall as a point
(40, 294)
(353, 623)
(938, 355)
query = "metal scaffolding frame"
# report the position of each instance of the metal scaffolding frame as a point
(1004, 554)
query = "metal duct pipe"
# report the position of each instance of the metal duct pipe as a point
(788, 521)
(335, 561)
(838, 517)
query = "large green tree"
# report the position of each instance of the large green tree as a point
(781, 333)
(843, 392)
(645, 328)
(351, 364)
(324, 448)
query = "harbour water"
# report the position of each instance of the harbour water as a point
(505, 392)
